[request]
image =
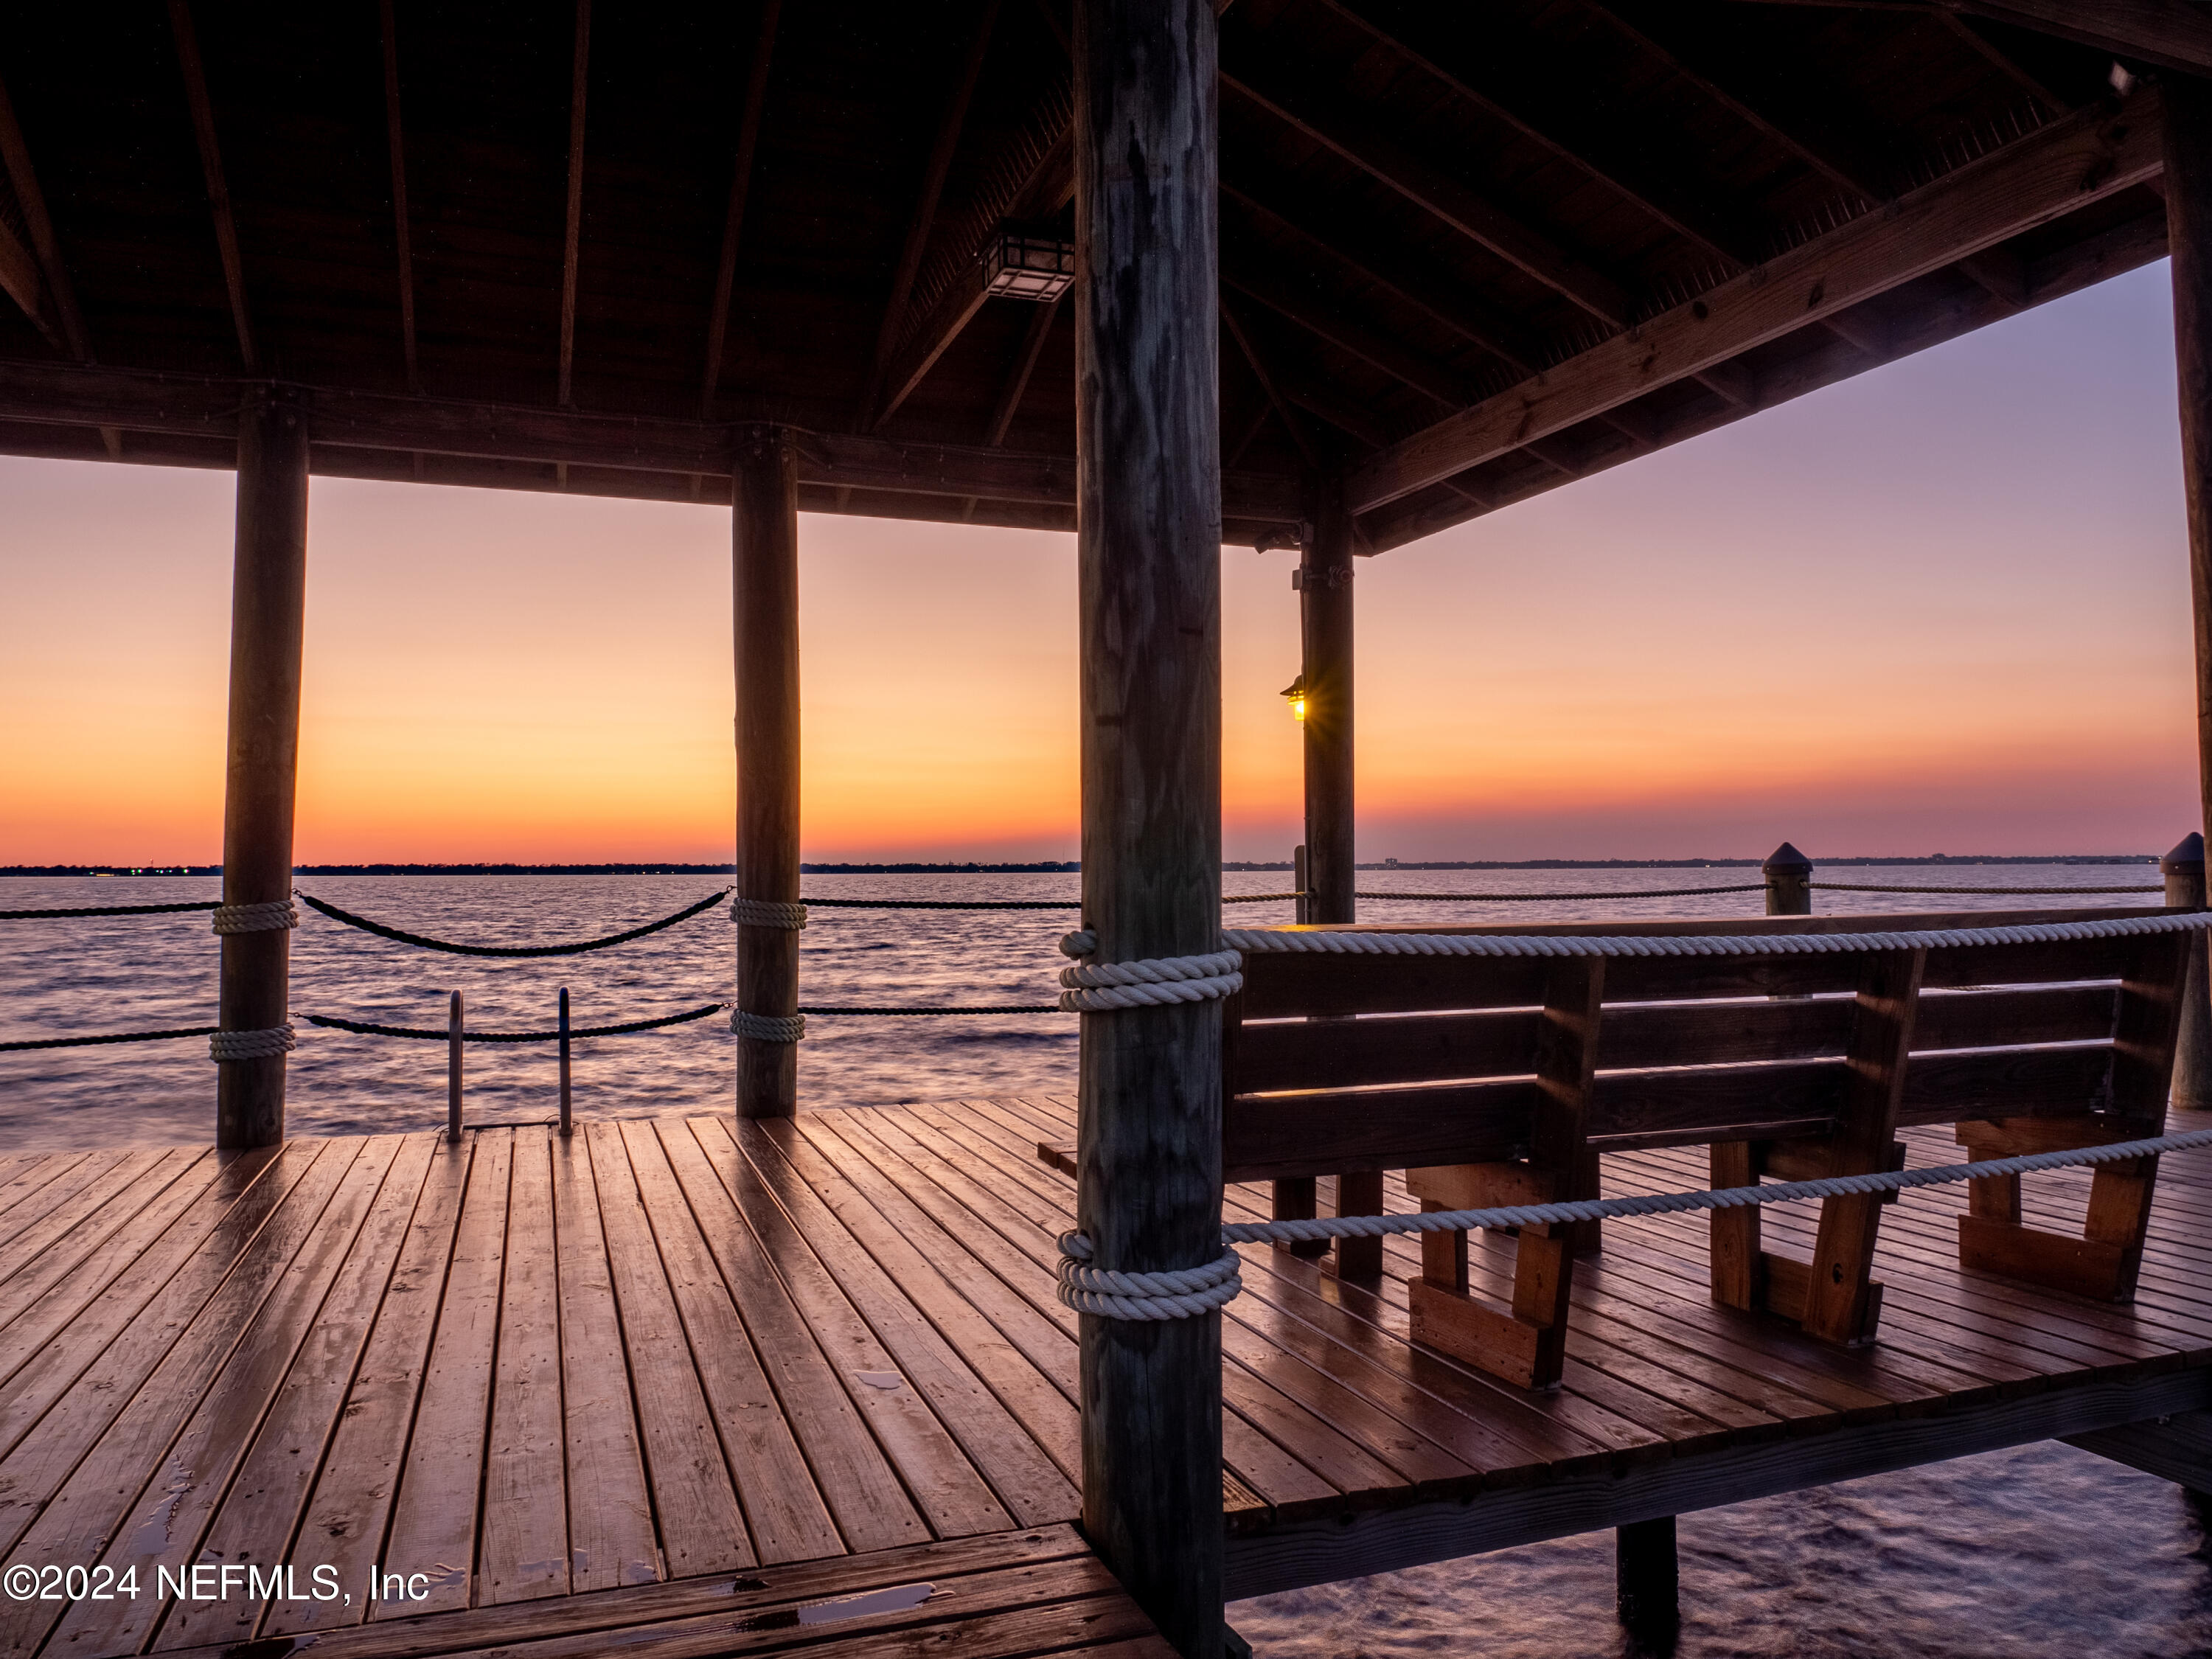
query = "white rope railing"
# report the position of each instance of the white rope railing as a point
(1280, 941)
(1153, 983)
(1167, 1296)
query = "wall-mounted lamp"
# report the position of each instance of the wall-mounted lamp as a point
(1295, 694)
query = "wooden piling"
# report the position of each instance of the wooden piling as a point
(1647, 1578)
(2188, 191)
(268, 617)
(1325, 614)
(1789, 875)
(1149, 551)
(764, 491)
(453, 1049)
(567, 1123)
(2184, 870)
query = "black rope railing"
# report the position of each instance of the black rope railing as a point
(577, 948)
(104, 1038)
(933, 1013)
(365, 1028)
(1556, 898)
(109, 910)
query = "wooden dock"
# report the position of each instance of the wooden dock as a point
(687, 1380)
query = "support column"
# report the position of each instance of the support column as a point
(2184, 870)
(1325, 614)
(2188, 184)
(268, 619)
(1789, 875)
(1148, 541)
(764, 495)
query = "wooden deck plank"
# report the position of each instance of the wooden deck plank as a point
(81, 1382)
(611, 1533)
(951, 1496)
(434, 1512)
(715, 1252)
(164, 1522)
(255, 1522)
(26, 1173)
(687, 1464)
(523, 1544)
(31, 1201)
(1252, 1461)
(988, 1432)
(69, 1280)
(1016, 1594)
(161, 1451)
(952, 1299)
(350, 1503)
(76, 1226)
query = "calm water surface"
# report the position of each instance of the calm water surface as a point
(2042, 1550)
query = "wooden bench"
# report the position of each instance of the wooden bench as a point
(1502, 1080)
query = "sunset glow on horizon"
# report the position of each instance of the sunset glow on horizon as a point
(1941, 608)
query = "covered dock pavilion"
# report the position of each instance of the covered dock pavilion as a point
(1329, 274)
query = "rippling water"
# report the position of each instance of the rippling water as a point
(2041, 1550)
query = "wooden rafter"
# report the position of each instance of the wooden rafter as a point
(741, 173)
(2171, 34)
(225, 228)
(1025, 363)
(44, 254)
(1301, 102)
(1515, 85)
(924, 218)
(2050, 173)
(1275, 396)
(572, 241)
(403, 240)
(2003, 62)
(1259, 279)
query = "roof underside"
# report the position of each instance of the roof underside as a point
(1443, 233)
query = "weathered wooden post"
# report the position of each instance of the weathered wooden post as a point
(764, 491)
(1148, 541)
(268, 620)
(1789, 875)
(2183, 870)
(2188, 188)
(1647, 1578)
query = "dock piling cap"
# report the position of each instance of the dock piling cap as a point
(1787, 861)
(2189, 850)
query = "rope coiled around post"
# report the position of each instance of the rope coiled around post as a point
(1181, 1293)
(273, 916)
(266, 1044)
(768, 1028)
(767, 913)
(1154, 982)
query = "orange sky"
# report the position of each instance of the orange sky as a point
(1943, 608)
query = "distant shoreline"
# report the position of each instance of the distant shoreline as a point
(1052, 867)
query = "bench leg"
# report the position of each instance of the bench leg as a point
(1359, 1195)
(1734, 1233)
(1294, 1200)
(2105, 1260)
(1647, 1578)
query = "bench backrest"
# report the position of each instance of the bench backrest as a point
(1335, 1063)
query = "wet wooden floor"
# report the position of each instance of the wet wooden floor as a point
(685, 1380)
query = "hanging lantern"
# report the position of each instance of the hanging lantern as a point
(1026, 264)
(1295, 694)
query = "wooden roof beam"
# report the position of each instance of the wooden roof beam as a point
(1275, 398)
(225, 228)
(34, 274)
(1335, 324)
(733, 219)
(2036, 178)
(404, 241)
(949, 125)
(206, 407)
(1333, 122)
(1025, 363)
(573, 234)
